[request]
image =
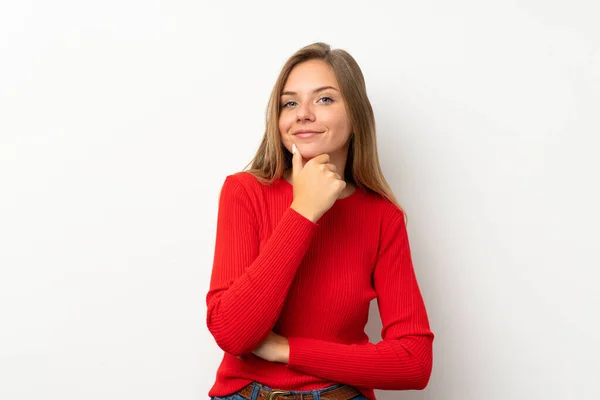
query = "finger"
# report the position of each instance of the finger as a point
(322, 158)
(297, 163)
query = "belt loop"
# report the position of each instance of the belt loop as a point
(255, 390)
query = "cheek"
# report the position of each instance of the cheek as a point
(335, 119)
(284, 125)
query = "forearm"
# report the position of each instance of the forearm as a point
(240, 315)
(403, 364)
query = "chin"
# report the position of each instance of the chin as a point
(309, 151)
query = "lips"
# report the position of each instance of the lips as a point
(307, 134)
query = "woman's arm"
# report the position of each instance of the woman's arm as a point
(403, 358)
(248, 288)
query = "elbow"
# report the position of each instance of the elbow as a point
(226, 340)
(234, 345)
(422, 378)
(231, 338)
(223, 341)
(423, 363)
(416, 368)
(221, 327)
(422, 374)
(417, 379)
(229, 346)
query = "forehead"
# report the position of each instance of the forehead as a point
(310, 75)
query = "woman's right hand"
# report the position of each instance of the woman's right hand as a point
(316, 185)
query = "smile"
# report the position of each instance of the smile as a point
(305, 135)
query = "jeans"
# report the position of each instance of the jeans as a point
(256, 386)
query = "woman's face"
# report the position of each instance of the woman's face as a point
(304, 107)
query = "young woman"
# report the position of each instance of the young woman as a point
(305, 240)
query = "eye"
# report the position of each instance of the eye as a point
(325, 97)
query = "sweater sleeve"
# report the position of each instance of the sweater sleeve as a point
(247, 287)
(402, 360)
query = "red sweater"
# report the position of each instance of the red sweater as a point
(312, 283)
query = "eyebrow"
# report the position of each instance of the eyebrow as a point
(314, 91)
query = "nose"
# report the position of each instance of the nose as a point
(305, 112)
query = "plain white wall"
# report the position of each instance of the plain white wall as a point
(119, 121)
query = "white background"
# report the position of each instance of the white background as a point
(119, 121)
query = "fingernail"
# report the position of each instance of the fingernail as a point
(293, 148)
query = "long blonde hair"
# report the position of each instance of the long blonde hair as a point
(362, 164)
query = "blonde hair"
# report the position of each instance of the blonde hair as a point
(362, 165)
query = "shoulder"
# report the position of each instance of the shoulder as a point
(388, 219)
(244, 179)
(383, 207)
(243, 184)
(239, 179)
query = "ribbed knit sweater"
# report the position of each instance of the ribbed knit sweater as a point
(275, 270)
